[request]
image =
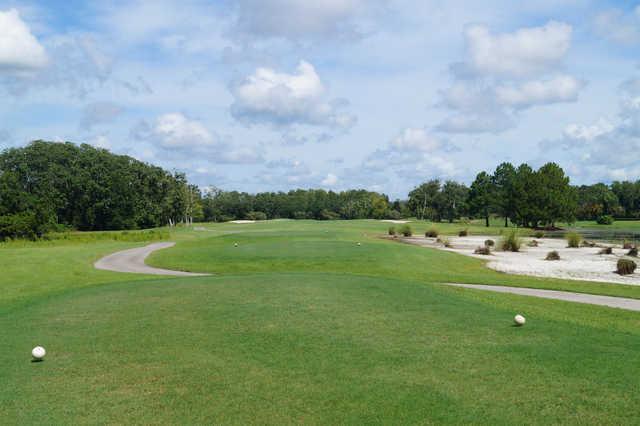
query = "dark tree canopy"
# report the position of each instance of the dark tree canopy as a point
(46, 185)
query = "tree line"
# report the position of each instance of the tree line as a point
(48, 186)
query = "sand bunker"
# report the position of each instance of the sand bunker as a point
(395, 221)
(584, 263)
(242, 221)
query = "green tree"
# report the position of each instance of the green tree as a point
(482, 196)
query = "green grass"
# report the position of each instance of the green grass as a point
(302, 325)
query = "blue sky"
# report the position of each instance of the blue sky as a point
(262, 95)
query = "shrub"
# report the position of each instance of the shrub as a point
(483, 250)
(633, 252)
(463, 233)
(552, 255)
(606, 250)
(532, 243)
(256, 216)
(626, 267)
(489, 243)
(393, 214)
(405, 230)
(627, 245)
(605, 219)
(446, 243)
(573, 239)
(392, 230)
(538, 234)
(431, 233)
(326, 214)
(586, 243)
(511, 242)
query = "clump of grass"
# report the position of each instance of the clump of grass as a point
(405, 230)
(538, 234)
(463, 233)
(392, 230)
(446, 242)
(626, 267)
(552, 255)
(533, 243)
(627, 245)
(606, 250)
(573, 240)
(511, 242)
(633, 252)
(431, 233)
(586, 243)
(489, 243)
(483, 250)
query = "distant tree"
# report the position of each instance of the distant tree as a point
(422, 199)
(504, 179)
(482, 196)
(558, 200)
(451, 202)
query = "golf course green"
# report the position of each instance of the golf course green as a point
(299, 323)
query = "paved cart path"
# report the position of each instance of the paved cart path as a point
(132, 260)
(591, 299)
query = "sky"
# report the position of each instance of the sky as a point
(269, 95)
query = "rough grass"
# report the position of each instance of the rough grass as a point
(511, 242)
(573, 239)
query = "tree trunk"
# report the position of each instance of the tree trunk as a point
(506, 221)
(486, 220)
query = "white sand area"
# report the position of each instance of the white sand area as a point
(583, 263)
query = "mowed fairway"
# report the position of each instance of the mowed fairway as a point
(302, 325)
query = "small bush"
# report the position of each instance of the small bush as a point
(405, 230)
(586, 243)
(511, 242)
(483, 250)
(446, 243)
(532, 243)
(392, 230)
(538, 234)
(256, 216)
(573, 239)
(627, 245)
(431, 233)
(626, 267)
(605, 219)
(633, 252)
(552, 255)
(606, 250)
(489, 243)
(463, 233)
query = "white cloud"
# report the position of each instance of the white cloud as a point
(19, 49)
(563, 88)
(582, 132)
(174, 130)
(524, 52)
(282, 99)
(330, 180)
(415, 140)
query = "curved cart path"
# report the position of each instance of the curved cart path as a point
(591, 299)
(132, 260)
